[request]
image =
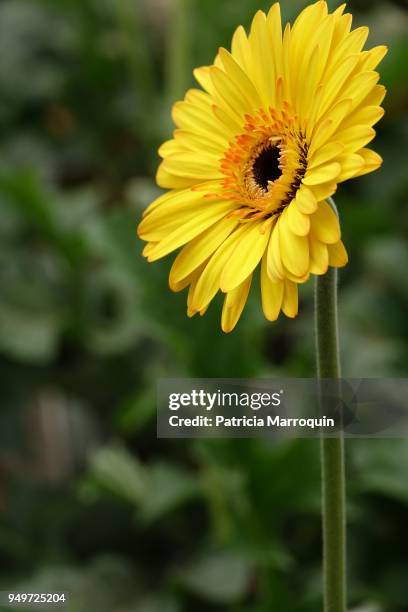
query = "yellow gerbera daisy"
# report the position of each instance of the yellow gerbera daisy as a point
(279, 122)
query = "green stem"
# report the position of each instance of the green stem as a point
(332, 450)
(177, 52)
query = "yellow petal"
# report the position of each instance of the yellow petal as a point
(334, 117)
(356, 40)
(298, 222)
(234, 303)
(230, 95)
(191, 311)
(209, 282)
(246, 256)
(340, 10)
(341, 29)
(290, 299)
(319, 256)
(166, 180)
(274, 24)
(202, 76)
(294, 249)
(162, 199)
(213, 212)
(271, 293)
(240, 49)
(200, 142)
(375, 97)
(320, 35)
(337, 255)
(364, 115)
(168, 212)
(325, 154)
(356, 137)
(148, 248)
(273, 255)
(201, 248)
(324, 190)
(191, 279)
(199, 118)
(228, 121)
(373, 57)
(305, 200)
(297, 279)
(372, 161)
(360, 86)
(240, 78)
(334, 84)
(199, 166)
(350, 166)
(170, 147)
(311, 27)
(320, 135)
(262, 47)
(351, 44)
(325, 224)
(305, 98)
(322, 174)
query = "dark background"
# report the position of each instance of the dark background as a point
(90, 501)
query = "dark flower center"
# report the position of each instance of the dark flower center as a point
(266, 166)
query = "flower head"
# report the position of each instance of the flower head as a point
(279, 122)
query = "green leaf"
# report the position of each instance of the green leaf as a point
(154, 489)
(382, 466)
(119, 472)
(166, 488)
(136, 411)
(221, 577)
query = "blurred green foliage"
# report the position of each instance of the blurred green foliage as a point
(90, 501)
